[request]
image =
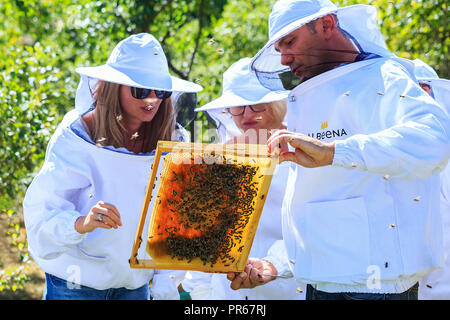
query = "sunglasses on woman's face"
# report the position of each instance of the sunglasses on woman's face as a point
(237, 111)
(142, 93)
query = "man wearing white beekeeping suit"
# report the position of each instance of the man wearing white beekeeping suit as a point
(361, 212)
(436, 285)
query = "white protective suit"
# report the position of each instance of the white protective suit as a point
(76, 175)
(369, 222)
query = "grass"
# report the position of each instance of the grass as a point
(20, 277)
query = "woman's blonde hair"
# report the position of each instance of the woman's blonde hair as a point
(109, 129)
(278, 110)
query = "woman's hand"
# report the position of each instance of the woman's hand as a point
(251, 277)
(101, 215)
(309, 152)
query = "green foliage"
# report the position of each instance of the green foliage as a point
(32, 85)
(415, 29)
(14, 277)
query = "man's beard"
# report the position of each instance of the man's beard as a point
(327, 62)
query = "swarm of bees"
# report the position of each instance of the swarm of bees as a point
(206, 204)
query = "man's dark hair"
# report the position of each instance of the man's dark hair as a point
(312, 25)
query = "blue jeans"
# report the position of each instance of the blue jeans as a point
(60, 289)
(313, 294)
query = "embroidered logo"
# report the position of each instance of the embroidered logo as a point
(328, 134)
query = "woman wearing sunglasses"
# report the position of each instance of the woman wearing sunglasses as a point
(246, 112)
(82, 209)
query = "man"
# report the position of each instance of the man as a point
(436, 285)
(361, 212)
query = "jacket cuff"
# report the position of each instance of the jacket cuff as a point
(345, 157)
(277, 256)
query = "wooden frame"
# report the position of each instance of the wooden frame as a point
(237, 150)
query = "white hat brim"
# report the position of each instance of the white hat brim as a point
(291, 27)
(299, 23)
(139, 79)
(228, 100)
(436, 81)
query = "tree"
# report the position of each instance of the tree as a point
(415, 29)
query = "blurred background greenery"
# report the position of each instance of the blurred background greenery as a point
(42, 42)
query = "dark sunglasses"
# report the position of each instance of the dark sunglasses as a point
(142, 93)
(237, 111)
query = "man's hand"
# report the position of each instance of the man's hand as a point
(251, 277)
(309, 152)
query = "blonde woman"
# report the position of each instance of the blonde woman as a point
(82, 209)
(246, 112)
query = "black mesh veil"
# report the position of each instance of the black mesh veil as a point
(357, 22)
(275, 76)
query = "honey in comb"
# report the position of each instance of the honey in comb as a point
(204, 210)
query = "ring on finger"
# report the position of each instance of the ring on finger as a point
(100, 217)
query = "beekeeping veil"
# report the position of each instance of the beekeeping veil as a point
(137, 61)
(358, 22)
(240, 87)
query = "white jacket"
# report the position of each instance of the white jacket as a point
(436, 285)
(76, 175)
(217, 286)
(369, 222)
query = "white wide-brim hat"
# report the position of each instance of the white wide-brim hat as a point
(137, 61)
(358, 21)
(240, 87)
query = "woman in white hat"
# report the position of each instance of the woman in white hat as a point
(246, 112)
(82, 209)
